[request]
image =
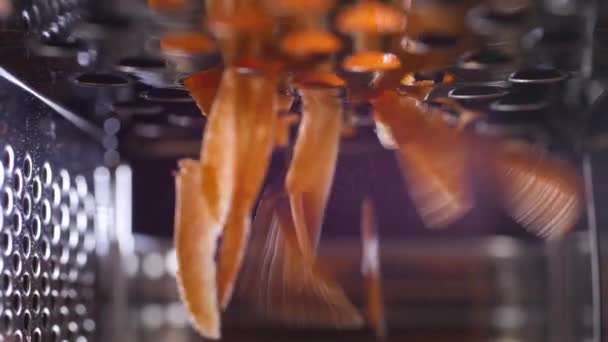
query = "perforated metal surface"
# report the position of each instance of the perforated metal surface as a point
(46, 244)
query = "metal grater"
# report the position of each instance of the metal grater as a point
(47, 226)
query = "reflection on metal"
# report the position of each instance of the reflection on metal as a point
(474, 93)
(103, 215)
(592, 12)
(538, 75)
(502, 248)
(124, 203)
(89, 128)
(48, 269)
(594, 248)
(496, 284)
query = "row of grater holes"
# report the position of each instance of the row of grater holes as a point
(51, 15)
(46, 241)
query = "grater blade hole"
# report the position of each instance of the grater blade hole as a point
(36, 302)
(37, 189)
(17, 182)
(64, 315)
(55, 234)
(45, 284)
(26, 205)
(17, 222)
(54, 298)
(46, 212)
(27, 321)
(26, 283)
(45, 318)
(72, 329)
(47, 174)
(45, 249)
(54, 270)
(7, 321)
(88, 325)
(82, 221)
(73, 199)
(81, 259)
(55, 334)
(56, 195)
(6, 283)
(67, 300)
(18, 336)
(36, 227)
(81, 309)
(73, 275)
(36, 265)
(17, 263)
(65, 256)
(81, 186)
(101, 80)
(64, 216)
(27, 167)
(64, 180)
(74, 239)
(7, 200)
(16, 303)
(6, 243)
(37, 336)
(26, 246)
(8, 158)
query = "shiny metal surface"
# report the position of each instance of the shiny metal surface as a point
(478, 289)
(47, 261)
